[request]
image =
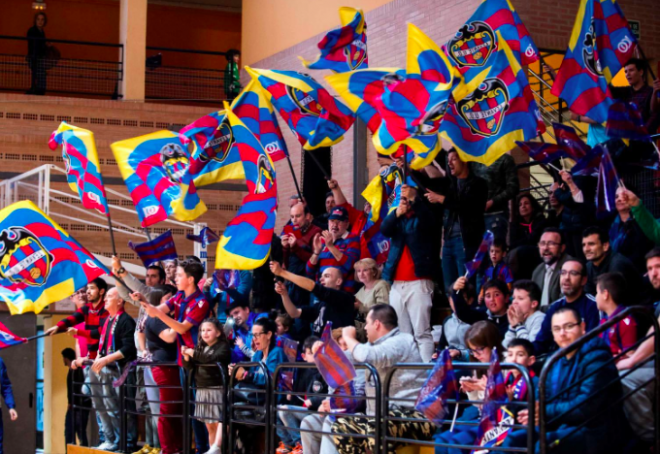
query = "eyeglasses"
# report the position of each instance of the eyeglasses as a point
(571, 273)
(474, 351)
(567, 327)
(257, 334)
(548, 243)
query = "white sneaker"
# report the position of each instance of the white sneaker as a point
(213, 450)
(104, 446)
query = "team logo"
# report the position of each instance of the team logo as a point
(484, 109)
(305, 102)
(589, 55)
(265, 179)
(356, 52)
(317, 386)
(175, 162)
(217, 149)
(396, 178)
(23, 259)
(430, 123)
(472, 44)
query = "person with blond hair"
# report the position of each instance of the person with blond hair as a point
(375, 290)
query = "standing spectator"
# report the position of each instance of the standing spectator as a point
(553, 253)
(8, 396)
(528, 222)
(503, 186)
(497, 269)
(37, 54)
(609, 299)
(232, 75)
(410, 265)
(322, 221)
(640, 93)
(626, 236)
(374, 289)
(243, 318)
(337, 248)
(464, 201)
(647, 223)
(496, 295)
(525, 318)
(576, 195)
(75, 421)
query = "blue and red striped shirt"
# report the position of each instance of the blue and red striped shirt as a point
(349, 246)
(193, 309)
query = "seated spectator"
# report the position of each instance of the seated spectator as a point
(554, 213)
(496, 294)
(170, 272)
(454, 329)
(573, 279)
(528, 222)
(576, 195)
(525, 318)
(387, 346)
(116, 349)
(232, 286)
(374, 289)
(305, 381)
(593, 407)
(410, 266)
(335, 305)
(243, 319)
(643, 217)
(497, 269)
(626, 236)
(521, 352)
(212, 349)
(553, 253)
(337, 248)
(611, 292)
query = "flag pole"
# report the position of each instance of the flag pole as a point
(641, 51)
(318, 164)
(295, 180)
(112, 233)
(38, 336)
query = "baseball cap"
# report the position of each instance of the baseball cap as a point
(338, 213)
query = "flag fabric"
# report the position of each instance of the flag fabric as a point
(254, 109)
(343, 49)
(313, 114)
(624, 121)
(383, 193)
(206, 236)
(83, 171)
(440, 386)
(332, 362)
(543, 152)
(155, 168)
(245, 244)
(157, 250)
(290, 348)
(341, 401)
(224, 279)
(569, 140)
(472, 267)
(487, 123)
(9, 339)
(608, 183)
(496, 420)
(40, 263)
(601, 43)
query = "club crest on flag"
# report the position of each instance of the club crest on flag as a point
(217, 149)
(472, 44)
(305, 102)
(485, 109)
(175, 162)
(23, 259)
(591, 61)
(356, 52)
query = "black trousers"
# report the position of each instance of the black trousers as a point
(76, 427)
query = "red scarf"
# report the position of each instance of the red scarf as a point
(111, 335)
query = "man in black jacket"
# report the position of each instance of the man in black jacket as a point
(116, 349)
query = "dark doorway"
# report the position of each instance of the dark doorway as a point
(315, 186)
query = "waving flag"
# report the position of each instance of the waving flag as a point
(502, 110)
(496, 420)
(608, 183)
(543, 152)
(343, 49)
(224, 279)
(155, 168)
(314, 115)
(9, 339)
(157, 250)
(569, 140)
(601, 43)
(476, 41)
(290, 348)
(206, 236)
(589, 164)
(624, 121)
(245, 244)
(381, 192)
(254, 109)
(332, 362)
(342, 401)
(440, 386)
(40, 263)
(83, 171)
(473, 266)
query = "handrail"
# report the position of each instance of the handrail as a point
(187, 51)
(63, 41)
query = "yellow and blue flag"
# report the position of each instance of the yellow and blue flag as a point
(83, 171)
(343, 49)
(155, 168)
(487, 123)
(40, 263)
(245, 243)
(601, 43)
(314, 115)
(383, 193)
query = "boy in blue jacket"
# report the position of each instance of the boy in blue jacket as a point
(8, 395)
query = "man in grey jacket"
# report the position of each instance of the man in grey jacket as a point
(552, 250)
(387, 346)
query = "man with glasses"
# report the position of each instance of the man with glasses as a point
(553, 253)
(573, 277)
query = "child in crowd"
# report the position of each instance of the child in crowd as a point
(306, 381)
(498, 269)
(284, 324)
(521, 352)
(525, 318)
(212, 348)
(611, 288)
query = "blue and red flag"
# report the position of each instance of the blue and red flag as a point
(224, 279)
(601, 43)
(543, 152)
(569, 140)
(589, 164)
(440, 386)
(487, 123)
(9, 339)
(496, 420)
(156, 250)
(245, 244)
(332, 362)
(342, 400)
(155, 168)
(608, 183)
(290, 348)
(40, 263)
(343, 49)
(313, 114)
(206, 236)
(473, 266)
(624, 121)
(83, 171)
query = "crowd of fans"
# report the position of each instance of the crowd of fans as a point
(554, 272)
